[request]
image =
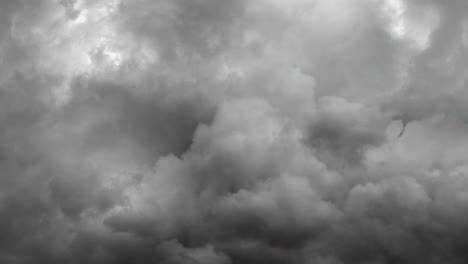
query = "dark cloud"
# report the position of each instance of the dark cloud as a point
(343, 131)
(228, 132)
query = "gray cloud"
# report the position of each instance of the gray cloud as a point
(233, 132)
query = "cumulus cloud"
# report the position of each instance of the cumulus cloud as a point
(226, 132)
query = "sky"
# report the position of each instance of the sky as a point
(233, 131)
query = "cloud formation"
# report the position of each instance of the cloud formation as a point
(228, 132)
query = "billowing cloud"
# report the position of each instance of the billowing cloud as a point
(227, 132)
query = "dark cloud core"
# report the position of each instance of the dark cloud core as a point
(233, 132)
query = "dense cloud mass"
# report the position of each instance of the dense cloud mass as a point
(233, 131)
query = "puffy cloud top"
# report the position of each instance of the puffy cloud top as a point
(229, 132)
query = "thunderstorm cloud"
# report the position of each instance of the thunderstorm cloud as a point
(233, 131)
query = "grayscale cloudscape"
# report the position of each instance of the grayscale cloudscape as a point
(233, 131)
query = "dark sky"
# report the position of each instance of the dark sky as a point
(234, 131)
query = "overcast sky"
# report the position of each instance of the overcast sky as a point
(234, 131)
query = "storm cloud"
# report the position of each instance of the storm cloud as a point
(233, 131)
